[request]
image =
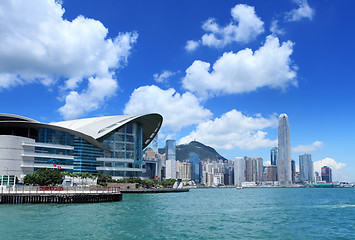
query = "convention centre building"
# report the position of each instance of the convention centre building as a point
(110, 144)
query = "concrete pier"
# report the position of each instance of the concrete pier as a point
(20, 198)
(59, 195)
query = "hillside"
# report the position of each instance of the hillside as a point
(204, 152)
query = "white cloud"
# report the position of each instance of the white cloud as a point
(274, 28)
(191, 45)
(308, 148)
(303, 11)
(267, 163)
(335, 166)
(163, 77)
(233, 129)
(244, 71)
(99, 88)
(246, 25)
(39, 46)
(178, 110)
(328, 162)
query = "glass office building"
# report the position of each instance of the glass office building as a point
(326, 173)
(111, 145)
(195, 167)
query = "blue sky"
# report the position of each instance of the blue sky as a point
(219, 72)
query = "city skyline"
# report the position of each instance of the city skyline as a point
(214, 76)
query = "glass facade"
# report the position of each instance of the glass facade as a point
(170, 150)
(84, 153)
(326, 173)
(195, 167)
(273, 153)
(7, 180)
(125, 144)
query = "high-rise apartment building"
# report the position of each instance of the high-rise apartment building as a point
(271, 173)
(284, 151)
(306, 168)
(253, 169)
(326, 173)
(239, 171)
(183, 171)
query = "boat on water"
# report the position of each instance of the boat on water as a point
(239, 187)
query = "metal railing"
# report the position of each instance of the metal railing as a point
(58, 189)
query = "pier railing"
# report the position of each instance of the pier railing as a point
(58, 189)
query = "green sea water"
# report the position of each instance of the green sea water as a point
(260, 213)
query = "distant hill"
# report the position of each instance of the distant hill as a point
(205, 152)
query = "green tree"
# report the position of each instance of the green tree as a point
(168, 182)
(43, 177)
(103, 179)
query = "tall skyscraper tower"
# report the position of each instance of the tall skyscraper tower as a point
(195, 167)
(170, 159)
(274, 153)
(306, 168)
(284, 147)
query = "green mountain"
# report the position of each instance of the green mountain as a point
(205, 152)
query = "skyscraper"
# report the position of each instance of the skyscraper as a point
(195, 167)
(170, 163)
(239, 171)
(293, 170)
(274, 153)
(284, 154)
(306, 168)
(326, 173)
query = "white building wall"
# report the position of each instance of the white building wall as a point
(170, 169)
(11, 159)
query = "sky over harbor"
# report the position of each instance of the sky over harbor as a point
(219, 72)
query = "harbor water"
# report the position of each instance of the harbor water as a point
(224, 213)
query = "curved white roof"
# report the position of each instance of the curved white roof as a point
(13, 117)
(91, 129)
(98, 127)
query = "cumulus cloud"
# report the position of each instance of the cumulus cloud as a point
(244, 71)
(163, 77)
(191, 45)
(178, 110)
(335, 166)
(303, 11)
(308, 148)
(267, 163)
(39, 46)
(274, 28)
(328, 162)
(244, 27)
(233, 129)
